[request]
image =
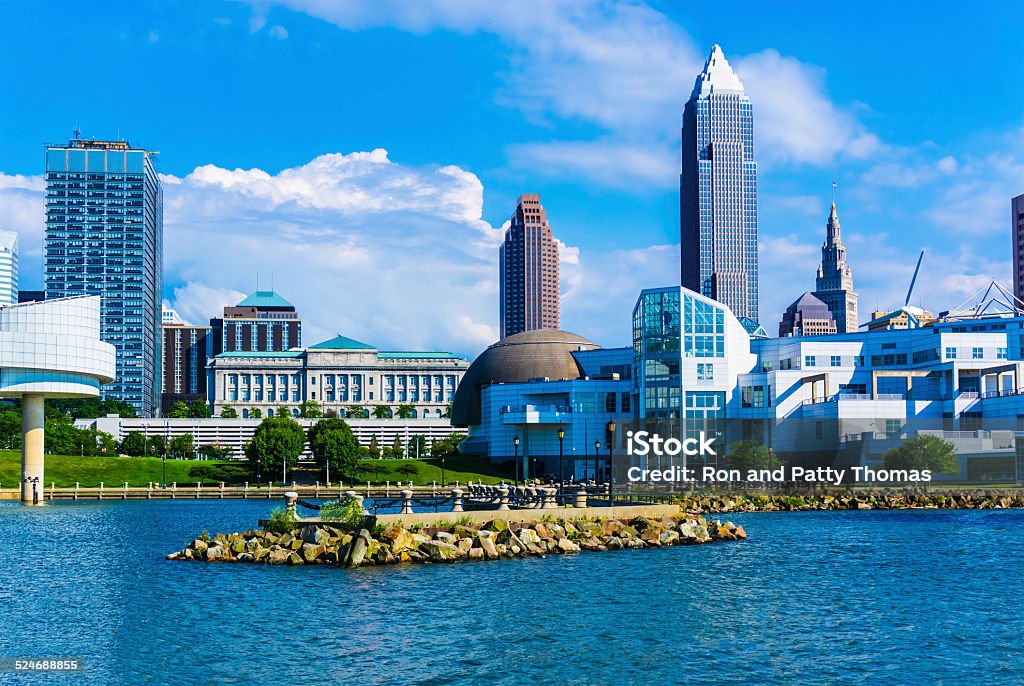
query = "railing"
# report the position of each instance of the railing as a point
(509, 409)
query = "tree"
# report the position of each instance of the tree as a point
(277, 440)
(381, 412)
(330, 413)
(396, 448)
(418, 446)
(447, 411)
(105, 444)
(449, 445)
(374, 447)
(228, 412)
(215, 452)
(156, 446)
(179, 410)
(182, 446)
(357, 412)
(747, 455)
(406, 412)
(255, 413)
(283, 411)
(924, 452)
(310, 409)
(199, 410)
(134, 444)
(332, 443)
(10, 429)
(62, 438)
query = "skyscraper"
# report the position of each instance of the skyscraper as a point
(718, 192)
(263, 322)
(529, 271)
(1017, 224)
(185, 351)
(834, 283)
(104, 236)
(8, 268)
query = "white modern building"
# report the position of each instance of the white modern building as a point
(8, 267)
(50, 349)
(235, 433)
(336, 374)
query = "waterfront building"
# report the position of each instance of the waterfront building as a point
(529, 276)
(834, 283)
(185, 351)
(8, 268)
(336, 374)
(906, 317)
(718, 192)
(262, 322)
(50, 349)
(807, 316)
(1017, 231)
(104, 236)
(235, 433)
(524, 389)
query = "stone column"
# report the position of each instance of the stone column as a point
(31, 446)
(406, 502)
(457, 500)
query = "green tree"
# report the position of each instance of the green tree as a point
(255, 413)
(381, 412)
(449, 445)
(374, 447)
(134, 444)
(10, 428)
(277, 440)
(447, 411)
(156, 446)
(182, 446)
(62, 438)
(284, 411)
(228, 412)
(418, 446)
(747, 455)
(310, 409)
(924, 452)
(179, 410)
(199, 410)
(332, 443)
(356, 412)
(396, 448)
(406, 412)
(215, 452)
(105, 444)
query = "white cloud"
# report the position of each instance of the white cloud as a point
(610, 163)
(278, 32)
(21, 211)
(196, 303)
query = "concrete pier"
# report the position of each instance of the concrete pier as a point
(32, 448)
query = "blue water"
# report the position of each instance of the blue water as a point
(822, 598)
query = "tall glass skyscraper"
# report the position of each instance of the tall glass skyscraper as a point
(718, 192)
(104, 236)
(529, 270)
(8, 267)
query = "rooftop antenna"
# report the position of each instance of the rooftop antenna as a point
(77, 133)
(271, 282)
(834, 185)
(914, 279)
(257, 282)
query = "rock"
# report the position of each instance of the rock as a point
(626, 531)
(465, 532)
(557, 531)
(285, 540)
(464, 545)
(252, 545)
(570, 529)
(173, 556)
(669, 537)
(740, 533)
(238, 546)
(486, 544)
(476, 554)
(260, 554)
(567, 546)
(864, 506)
(528, 536)
(294, 559)
(484, 533)
(245, 557)
(611, 526)
(400, 539)
(188, 555)
(495, 525)
(634, 543)
(310, 552)
(444, 537)
(614, 543)
(215, 553)
(278, 556)
(439, 551)
(357, 550)
(198, 544)
(541, 530)
(296, 544)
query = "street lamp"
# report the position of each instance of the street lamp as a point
(610, 427)
(515, 458)
(165, 469)
(34, 480)
(561, 471)
(597, 447)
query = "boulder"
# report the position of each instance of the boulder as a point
(487, 545)
(238, 546)
(465, 532)
(198, 544)
(614, 543)
(541, 530)
(476, 554)
(399, 539)
(357, 549)
(296, 544)
(557, 531)
(215, 554)
(444, 537)
(567, 546)
(495, 525)
(439, 551)
(669, 537)
(278, 556)
(294, 559)
(310, 551)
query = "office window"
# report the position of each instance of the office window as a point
(810, 361)
(836, 361)
(951, 353)
(977, 353)
(1001, 353)
(705, 372)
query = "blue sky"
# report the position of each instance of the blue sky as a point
(267, 116)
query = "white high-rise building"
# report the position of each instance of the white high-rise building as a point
(8, 267)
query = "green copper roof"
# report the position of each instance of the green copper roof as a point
(265, 299)
(340, 342)
(392, 355)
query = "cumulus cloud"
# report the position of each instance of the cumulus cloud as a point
(278, 32)
(626, 69)
(21, 211)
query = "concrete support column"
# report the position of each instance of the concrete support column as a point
(31, 446)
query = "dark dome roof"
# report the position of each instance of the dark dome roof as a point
(514, 359)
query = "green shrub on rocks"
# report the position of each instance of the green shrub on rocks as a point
(281, 521)
(346, 511)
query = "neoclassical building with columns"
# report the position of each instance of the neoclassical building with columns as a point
(336, 374)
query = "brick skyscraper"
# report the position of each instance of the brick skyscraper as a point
(529, 271)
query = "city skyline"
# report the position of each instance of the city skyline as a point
(597, 137)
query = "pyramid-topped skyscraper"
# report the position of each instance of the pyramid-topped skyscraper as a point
(718, 191)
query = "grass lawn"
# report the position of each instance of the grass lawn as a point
(65, 470)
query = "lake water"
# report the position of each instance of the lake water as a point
(837, 597)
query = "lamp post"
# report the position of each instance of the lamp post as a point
(34, 480)
(597, 447)
(442, 471)
(165, 470)
(561, 470)
(515, 458)
(610, 427)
